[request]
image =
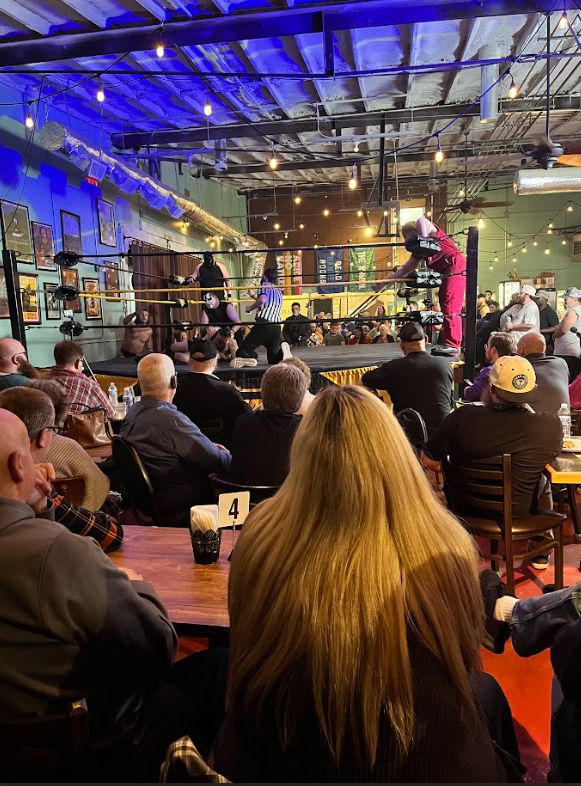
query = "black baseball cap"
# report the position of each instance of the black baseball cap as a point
(411, 332)
(202, 349)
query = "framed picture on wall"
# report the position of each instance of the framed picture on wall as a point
(107, 234)
(4, 311)
(92, 304)
(52, 306)
(16, 231)
(43, 244)
(71, 228)
(30, 300)
(111, 277)
(70, 277)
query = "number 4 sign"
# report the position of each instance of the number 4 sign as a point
(233, 508)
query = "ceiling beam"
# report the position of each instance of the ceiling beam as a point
(326, 125)
(262, 24)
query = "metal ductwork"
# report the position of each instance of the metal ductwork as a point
(54, 137)
(552, 181)
(489, 85)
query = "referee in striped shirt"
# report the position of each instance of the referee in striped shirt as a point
(266, 329)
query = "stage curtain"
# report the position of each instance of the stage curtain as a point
(168, 263)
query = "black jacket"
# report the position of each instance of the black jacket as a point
(296, 330)
(261, 446)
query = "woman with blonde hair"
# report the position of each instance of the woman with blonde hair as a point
(356, 617)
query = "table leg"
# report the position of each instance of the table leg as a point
(574, 512)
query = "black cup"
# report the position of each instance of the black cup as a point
(206, 545)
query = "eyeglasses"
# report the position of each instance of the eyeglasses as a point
(55, 429)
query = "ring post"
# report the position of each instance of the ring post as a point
(471, 295)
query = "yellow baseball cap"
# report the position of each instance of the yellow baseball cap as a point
(513, 379)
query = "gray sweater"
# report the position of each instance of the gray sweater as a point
(71, 625)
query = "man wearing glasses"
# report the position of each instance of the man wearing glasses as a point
(13, 362)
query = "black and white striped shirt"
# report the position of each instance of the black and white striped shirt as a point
(271, 309)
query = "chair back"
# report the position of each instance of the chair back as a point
(414, 428)
(72, 489)
(53, 747)
(257, 493)
(213, 429)
(484, 486)
(136, 481)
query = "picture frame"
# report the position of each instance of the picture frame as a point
(106, 218)
(16, 231)
(52, 306)
(71, 230)
(93, 307)
(4, 310)
(111, 279)
(70, 277)
(43, 245)
(28, 285)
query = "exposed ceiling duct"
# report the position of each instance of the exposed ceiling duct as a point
(54, 137)
(489, 85)
(553, 181)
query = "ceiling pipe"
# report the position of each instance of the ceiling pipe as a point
(552, 181)
(54, 137)
(489, 85)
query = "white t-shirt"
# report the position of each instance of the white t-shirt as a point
(569, 344)
(527, 314)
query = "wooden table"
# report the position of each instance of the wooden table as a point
(565, 469)
(195, 596)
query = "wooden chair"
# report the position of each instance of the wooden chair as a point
(136, 482)
(257, 493)
(414, 428)
(54, 747)
(481, 495)
(73, 489)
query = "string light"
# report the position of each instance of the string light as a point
(368, 231)
(280, 242)
(563, 21)
(273, 161)
(356, 147)
(513, 89)
(276, 226)
(359, 213)
(100, 92)
(535, 243)
(385, 213)
(326, 212)
(439, 155)
(301, 226)
(353, 179)
(570, 208)
(298, 200)
(514, 259)
(428, 214)
(481, 224)
(496, 257)
(549, 231)
(524, 250)
(490, 267)
(208, 108)
(563, 242)
(159, 50)
(551, 225)
(509, 244)
(29, 121)
(547, 249)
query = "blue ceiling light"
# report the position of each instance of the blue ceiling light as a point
(155, 199)
(123, 180)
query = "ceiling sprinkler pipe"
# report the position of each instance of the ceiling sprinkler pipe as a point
(53, 136)
(552, 181)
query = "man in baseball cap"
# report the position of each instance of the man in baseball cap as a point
(567, 333)
(523, 316)
(512, 379)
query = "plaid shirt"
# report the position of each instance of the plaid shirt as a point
(81, 391)
(103, 528)
(184, 764)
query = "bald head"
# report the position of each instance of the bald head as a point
(531, 344)
(155, 373)
(17, 475)
(11, 352)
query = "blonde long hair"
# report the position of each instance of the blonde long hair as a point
(331, 573)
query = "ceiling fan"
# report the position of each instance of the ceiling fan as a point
(472, 206)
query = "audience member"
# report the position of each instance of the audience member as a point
(175, 453)
(505, 424)
(262, 440)
(308, 397)
(566, 335)
(75, 627)
(418, 380)
(488, 296)
(551, 372)
(316, 337)
(484, 327)
(34, 408)
(498, 345)
(482, 308)
(332, 682)
(202, 396)
(523, 315)
(383, 336)
(548, 318)
(68, 458)
(295, 330)
(14, 366)
(358, 336)
(137, 339)
(82, 392)
(334, 337)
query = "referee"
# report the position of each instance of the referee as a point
(266, 331)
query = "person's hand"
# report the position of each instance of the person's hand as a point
(248, 309)
(39, 497)
(47, 470)
(132, 575)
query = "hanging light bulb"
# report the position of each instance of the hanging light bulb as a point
(276, 226)
(208, 108)
(273, 161)
(563, 21)
(513, 89)
(439, 156)
(359, 213)
(551, 225)
(509, 244)
(514, 259)
(549, 231)
(301, 226)
(496, 257)
(159, 50)
(570, 208)
(547, 250)
(326, 212)
(481, 223)
(298, 200)
(535, 243)
(100, 92)
(353, 179)
(563, 242)
(490, 267)
(356, 147)
(428, 214)
(280, 242)
(29, 121)
(524, 250)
